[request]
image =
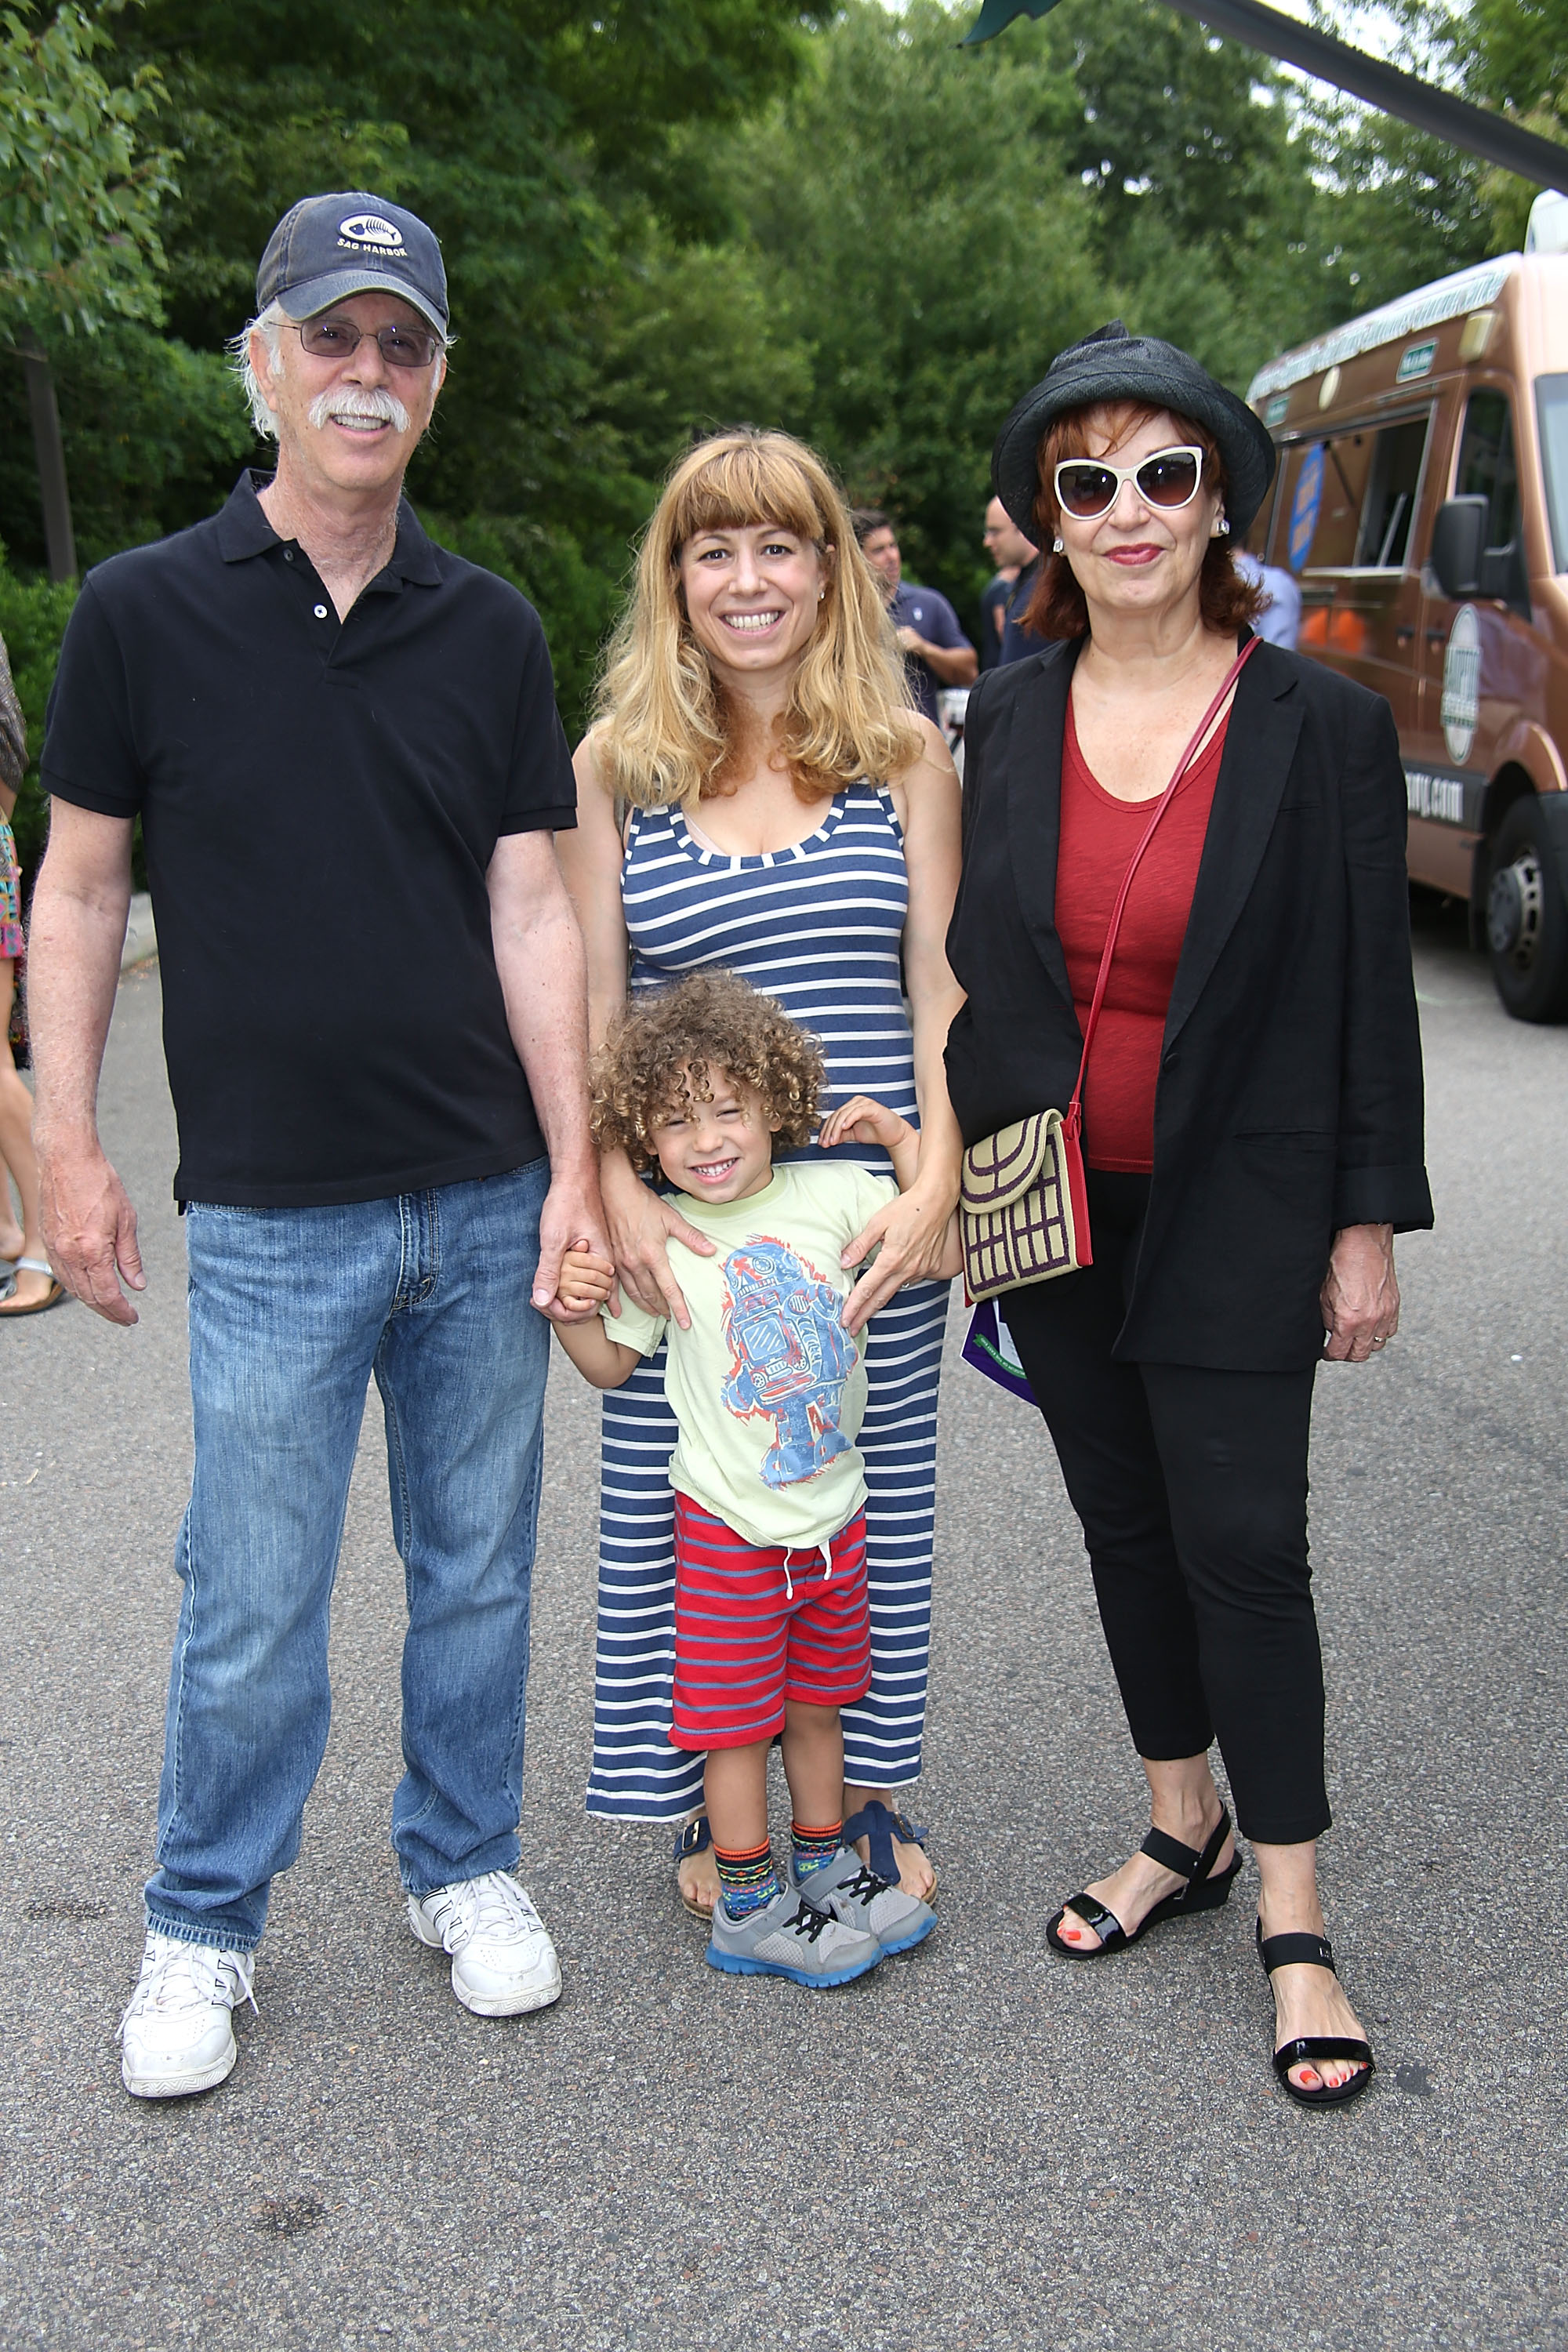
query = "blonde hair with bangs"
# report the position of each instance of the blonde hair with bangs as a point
(663, 733)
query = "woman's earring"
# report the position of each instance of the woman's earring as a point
(1220, 526)
(1058, 547)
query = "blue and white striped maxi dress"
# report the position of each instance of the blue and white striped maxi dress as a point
(819, 927)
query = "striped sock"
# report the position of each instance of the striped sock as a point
(814, 1848)
(747, 1879)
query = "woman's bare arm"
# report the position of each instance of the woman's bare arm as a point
(641, 1224)
(913, 1229)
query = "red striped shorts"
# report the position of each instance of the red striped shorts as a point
(744, 1642)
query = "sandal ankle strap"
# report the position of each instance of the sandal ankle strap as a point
(1172, 1855)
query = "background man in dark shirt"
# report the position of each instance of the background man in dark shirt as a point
(937, 652)
(1011, 552)
(343, 744)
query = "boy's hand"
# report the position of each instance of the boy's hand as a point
(586, 1279)
(863, 1121)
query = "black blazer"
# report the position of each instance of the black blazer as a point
(1289, 1096)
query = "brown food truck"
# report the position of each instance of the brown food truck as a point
(1422, 503)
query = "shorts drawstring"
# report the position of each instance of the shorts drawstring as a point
(826, 1548)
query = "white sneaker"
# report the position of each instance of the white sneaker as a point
(176, 2037)
(504, 1961)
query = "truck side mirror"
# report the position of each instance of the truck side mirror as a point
(1503, 575)
(1458, 542)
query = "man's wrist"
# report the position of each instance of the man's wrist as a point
(572, 1157)
(65, 1134)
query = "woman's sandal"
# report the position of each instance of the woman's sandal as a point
(1201, 1892)
(693, 1837)
(1311, 2049)
(878, 1824)
(11, 1312)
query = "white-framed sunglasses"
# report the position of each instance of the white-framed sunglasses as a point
(1086, 487)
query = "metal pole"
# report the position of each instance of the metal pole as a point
(1474, 129)
(50, 450)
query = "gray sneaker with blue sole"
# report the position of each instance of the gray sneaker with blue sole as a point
(858, 1899)
(792, 1938)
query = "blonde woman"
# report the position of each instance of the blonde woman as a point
(759, 793)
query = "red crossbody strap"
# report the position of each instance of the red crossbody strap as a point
(1166, 797)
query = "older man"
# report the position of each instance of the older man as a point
(343, 746)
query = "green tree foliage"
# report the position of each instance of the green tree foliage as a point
(933, 226)
(78, 204)
(663, 215)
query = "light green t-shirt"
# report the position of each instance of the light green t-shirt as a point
(767, 1385)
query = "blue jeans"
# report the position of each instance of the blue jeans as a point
(291, 1312)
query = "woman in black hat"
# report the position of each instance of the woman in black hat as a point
(1252, 1111)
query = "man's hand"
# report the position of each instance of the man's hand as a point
(89, 1228)
(573, 1218)
(643, 1225)
(1360, 1297)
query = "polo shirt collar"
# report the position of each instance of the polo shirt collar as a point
(243, 530)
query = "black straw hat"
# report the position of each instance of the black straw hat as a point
(1110, 364)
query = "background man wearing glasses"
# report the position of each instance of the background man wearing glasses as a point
(343, 744)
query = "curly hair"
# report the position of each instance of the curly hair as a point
(664, 730)
(666, 1047)
(1058, 607)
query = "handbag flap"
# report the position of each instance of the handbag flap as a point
(1000, 1168)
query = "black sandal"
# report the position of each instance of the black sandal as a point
(1310, 2049)
(1201, 1892)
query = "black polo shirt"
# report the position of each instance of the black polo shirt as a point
(320, 804)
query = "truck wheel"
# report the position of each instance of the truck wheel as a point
(1527, 917)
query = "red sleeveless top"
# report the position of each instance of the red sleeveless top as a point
(1099, 835)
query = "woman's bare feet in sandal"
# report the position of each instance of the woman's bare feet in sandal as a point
(1130, 1892)
(917, 1875)
(1186, 1804)
(697, 1875)
(1308, 2001)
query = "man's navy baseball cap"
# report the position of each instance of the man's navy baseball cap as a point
(327, 247)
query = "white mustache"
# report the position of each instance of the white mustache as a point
(359, 400)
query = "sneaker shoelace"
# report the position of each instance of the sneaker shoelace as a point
(808, 1922)
(480, 1907)
(191, 1976)
(864, 1887)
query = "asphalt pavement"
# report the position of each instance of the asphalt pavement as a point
(979, 2147)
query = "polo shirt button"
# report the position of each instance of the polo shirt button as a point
(321, 611)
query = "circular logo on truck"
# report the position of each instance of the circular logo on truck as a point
(1462, 685)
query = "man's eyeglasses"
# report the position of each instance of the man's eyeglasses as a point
(1169, 479)
(339, 339)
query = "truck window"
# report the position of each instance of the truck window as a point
(1393, 484)
(1322, 496)
(1487, 467)
(1551, 407)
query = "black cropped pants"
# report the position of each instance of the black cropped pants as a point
(1192, 1488)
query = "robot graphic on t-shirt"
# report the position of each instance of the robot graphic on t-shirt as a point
(790, 1357)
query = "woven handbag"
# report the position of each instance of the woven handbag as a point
(1023, 1208)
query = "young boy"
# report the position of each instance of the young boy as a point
(772, 1627)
